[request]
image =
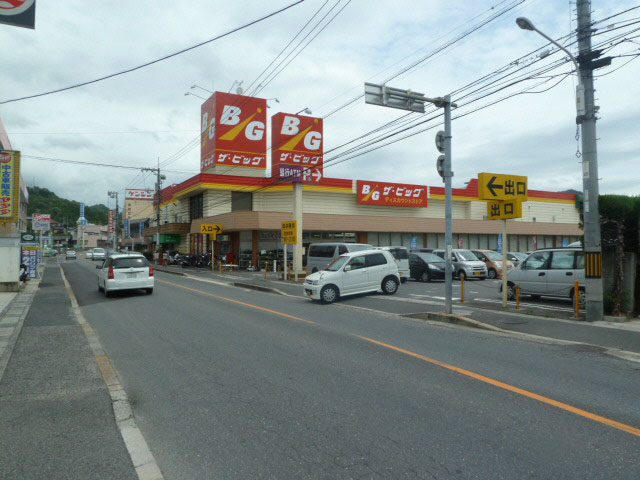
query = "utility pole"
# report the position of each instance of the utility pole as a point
(115, 221)
(592, 238)
(159, 179)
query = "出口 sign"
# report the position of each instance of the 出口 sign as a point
(392, 194)
(497, 210)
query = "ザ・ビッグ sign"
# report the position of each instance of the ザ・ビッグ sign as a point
(392, 194)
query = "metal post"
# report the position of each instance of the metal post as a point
(592, 240)
(504, 263)
(297, 216)
(448, 206)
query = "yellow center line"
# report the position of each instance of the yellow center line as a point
(264, 309)
(520, 391)
(496, 383)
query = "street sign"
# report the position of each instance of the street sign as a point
(394, 97)
(289, 231)
(19, 13)
(504, 210)
(495, 186)
(213, 229)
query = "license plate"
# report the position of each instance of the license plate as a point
(477, 273)
(131, 275)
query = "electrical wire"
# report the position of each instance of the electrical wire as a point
(166, 57)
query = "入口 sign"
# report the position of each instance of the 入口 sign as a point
(296, 140)
(233, 131)
(213, 229)
(497, 210)
(495, 186)
(392, 194)
(289, 232)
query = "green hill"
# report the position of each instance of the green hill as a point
(42, 200)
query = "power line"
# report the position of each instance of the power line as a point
(159, 59)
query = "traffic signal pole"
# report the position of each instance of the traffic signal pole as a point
(448, 206)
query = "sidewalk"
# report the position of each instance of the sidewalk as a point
(56, 416)
(624, 336)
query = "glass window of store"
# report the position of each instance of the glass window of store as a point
(196, 207)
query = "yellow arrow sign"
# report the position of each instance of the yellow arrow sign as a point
(504, 210)
(495, 186)
(214, 229)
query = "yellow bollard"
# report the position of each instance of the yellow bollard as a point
(517, 298)
(220, 266)
(576, 297)
(462, 288)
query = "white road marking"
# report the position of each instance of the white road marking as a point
(532, 305)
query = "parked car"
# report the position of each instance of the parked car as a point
(49, 252)
(493, 261)
(88, 254)
(352, 273)
(99, 254)
(465, 264)
(320, 255)
(423, 250)
(401, 256)
(125, 272)
(426, 266)
(549, 272)
(70, 254)
(517, 257)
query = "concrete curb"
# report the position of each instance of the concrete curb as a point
(143, 460)
(259, 288)
(160, 269)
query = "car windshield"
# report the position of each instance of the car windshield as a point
(520, 256)
(494, 256)
(131, 262)
(357, 248)
(98, 250)
(429, 257)
(467, 255)
(337, 264)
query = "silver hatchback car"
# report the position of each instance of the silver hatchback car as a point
(549, 272)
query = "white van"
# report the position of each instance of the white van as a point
(320, 255)
(401, 256)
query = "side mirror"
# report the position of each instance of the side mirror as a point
(347, 268)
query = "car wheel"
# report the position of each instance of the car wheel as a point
(492, 273)
(107, 293)
(389, 286)
(328, 294)
(425, 276)
(462, 275)
(403, 280)
(149, 290)
(511, 291)
(100, 289)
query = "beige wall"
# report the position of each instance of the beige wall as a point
(137, 209)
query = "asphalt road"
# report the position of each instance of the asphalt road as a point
(232, 383)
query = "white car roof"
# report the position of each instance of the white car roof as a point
(360, 252)
(126, 255)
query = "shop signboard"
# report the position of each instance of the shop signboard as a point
(30, 259)
(233, 132)
(41, 221)
(391, 194)
(213, 229)
(127, 228)
(139, 194)
(496, 186)
(9, 185)
(111, 216)
(289, 232)
(296, 141)
(169, 238)
(27, 237)
(18, 13)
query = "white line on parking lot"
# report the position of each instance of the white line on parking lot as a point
(533, 305)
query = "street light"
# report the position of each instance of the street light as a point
(305, 110)
(526, 24)
(201, 88)
(586, 118)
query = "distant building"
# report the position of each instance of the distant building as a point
(90, 236)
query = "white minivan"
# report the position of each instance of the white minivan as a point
(322, 254)
(401, 255)
(352, 273)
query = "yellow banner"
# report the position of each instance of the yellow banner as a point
(213, 229)
(9, 186)
(504, 210)
(289, 231)
(496, 186)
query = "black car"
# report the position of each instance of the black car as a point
(426, 266)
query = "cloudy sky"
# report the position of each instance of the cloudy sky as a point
(143, 117)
